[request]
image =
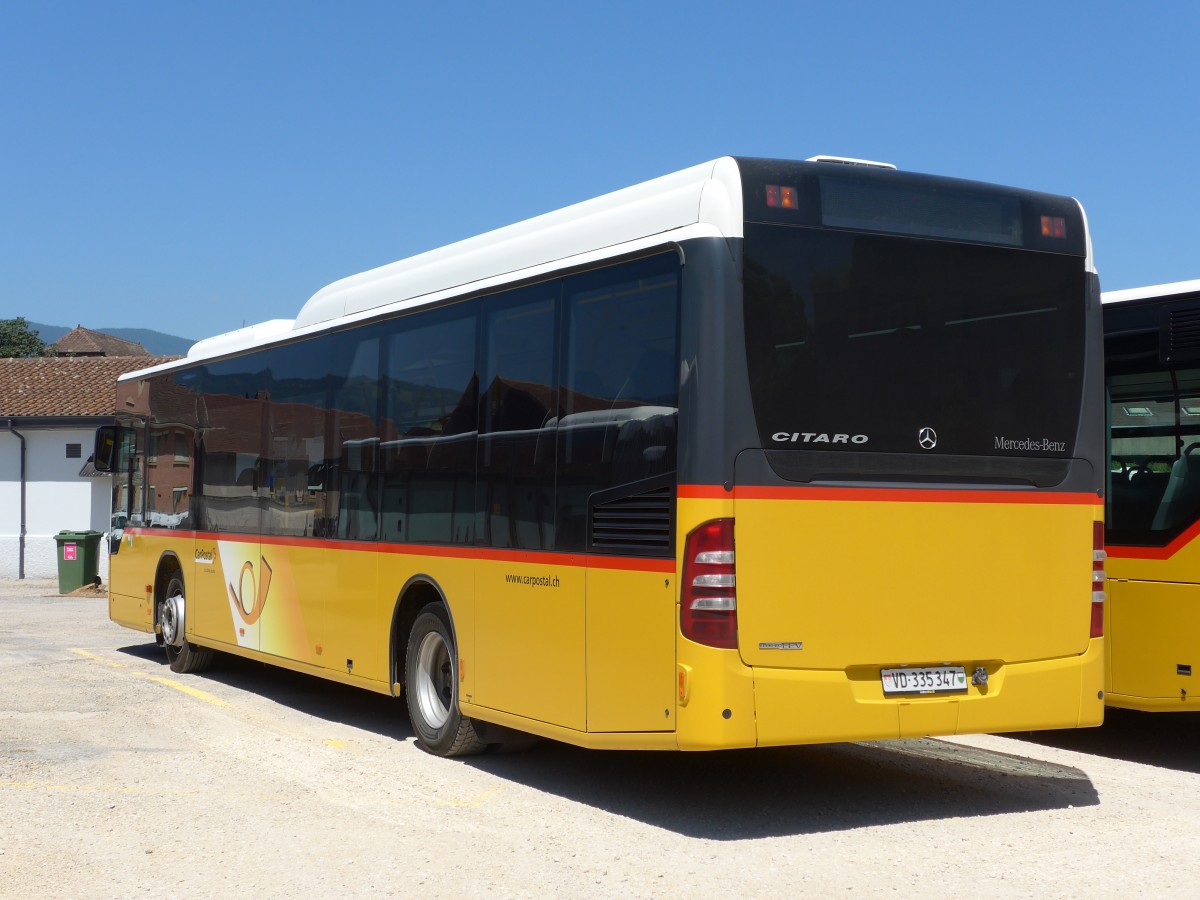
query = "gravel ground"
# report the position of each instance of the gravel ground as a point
(120, 779)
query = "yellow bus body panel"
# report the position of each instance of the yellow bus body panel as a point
(1154, 627)
(631, 618)
(896, 582)
(799, 706)
(131, 570)
(529, 641)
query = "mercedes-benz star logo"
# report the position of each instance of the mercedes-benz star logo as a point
(927, 438)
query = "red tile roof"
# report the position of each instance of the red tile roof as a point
(65, 385)
(85, 342)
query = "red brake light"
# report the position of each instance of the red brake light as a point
(1098, 579)
(708, 605)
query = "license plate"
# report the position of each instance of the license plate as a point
(925, 680)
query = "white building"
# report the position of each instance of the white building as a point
(49, 411)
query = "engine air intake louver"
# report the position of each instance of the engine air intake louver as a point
(640, 524)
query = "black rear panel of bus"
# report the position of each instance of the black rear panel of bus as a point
(909, 328)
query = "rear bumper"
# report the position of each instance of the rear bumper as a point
(801, 707)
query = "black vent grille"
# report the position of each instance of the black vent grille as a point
(1180, 336)
(639, 524)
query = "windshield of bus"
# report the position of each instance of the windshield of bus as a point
(883, 343)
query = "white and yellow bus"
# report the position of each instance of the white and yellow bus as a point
(757, 453)
(1152, 350)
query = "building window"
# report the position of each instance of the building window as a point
(74, 451)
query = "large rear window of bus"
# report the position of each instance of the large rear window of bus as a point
(920, 210)
(892, 344)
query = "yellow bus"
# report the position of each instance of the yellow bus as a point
(757, 453)
(1152, 356)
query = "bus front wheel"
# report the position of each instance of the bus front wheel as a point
(184, 657)
(431, 687)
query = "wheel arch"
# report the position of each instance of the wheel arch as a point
(168, 564)
(419, 591)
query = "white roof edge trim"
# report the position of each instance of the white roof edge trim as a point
(498, 282)
(1153, 290)
(654, 207)
(230, 341)
(851, 161)
(1089, 264)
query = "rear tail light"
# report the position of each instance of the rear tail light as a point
(708, 607)
(1098, 579)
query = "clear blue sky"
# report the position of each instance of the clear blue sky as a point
(193, 166)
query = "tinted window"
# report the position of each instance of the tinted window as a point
(294, 495)
(169, 462)
(859, 342)
(428, 454)
(517, 421)
(620, 391)
(229, 413)
(1154, 478)
(352, 472)
(129, 477)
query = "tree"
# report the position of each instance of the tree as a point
(16, 340)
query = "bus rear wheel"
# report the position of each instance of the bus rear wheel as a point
(183, 656)
(431, 687)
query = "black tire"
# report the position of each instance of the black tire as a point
(431, 687)
(186, 658)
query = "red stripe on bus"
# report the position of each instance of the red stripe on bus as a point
(1125, 552)
(488, 554)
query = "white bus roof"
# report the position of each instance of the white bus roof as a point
(703, 199)
(1153, 290)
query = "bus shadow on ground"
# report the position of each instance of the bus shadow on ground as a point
(1164, 739)
(774, 792)
(325, 700)
(717, 795)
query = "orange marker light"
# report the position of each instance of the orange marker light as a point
(1054, 226)
(683, 686)
(782, 197)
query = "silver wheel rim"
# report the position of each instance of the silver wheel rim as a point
(434, 689)
(170, 622)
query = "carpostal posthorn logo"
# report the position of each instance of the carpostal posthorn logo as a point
(250, 596)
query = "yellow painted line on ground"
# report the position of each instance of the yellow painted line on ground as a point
(478, 800)
(130, 790)
(190, 691)
(100, 659)
(154, 790)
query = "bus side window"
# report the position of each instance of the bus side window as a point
(517, 422)
(351, 478)
(620, 390)
(427, 457)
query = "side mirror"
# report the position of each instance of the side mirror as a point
(104, 456)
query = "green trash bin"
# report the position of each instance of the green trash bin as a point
(78, 559)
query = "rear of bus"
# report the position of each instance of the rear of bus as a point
(890, 517)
